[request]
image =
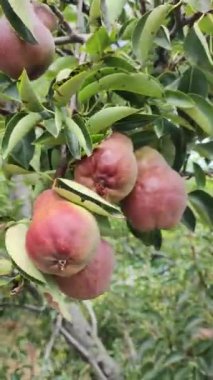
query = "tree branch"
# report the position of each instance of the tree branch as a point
(50, 345)
(34, 309)
(142, 6)
(62, 168)
(72, 39)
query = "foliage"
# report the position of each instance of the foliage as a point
(143, 68)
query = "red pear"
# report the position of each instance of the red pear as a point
(94, 279)
(111, 170)
(159, 198)
(62, 237)
(17, 54)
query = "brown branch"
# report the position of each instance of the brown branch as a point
(62, 167)
(34, 309)
(142, 6)
(72, 39)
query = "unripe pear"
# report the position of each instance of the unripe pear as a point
(45, 15)
(159, 198)
(94, 279)
(111, 170)
(17, 54)
(62, 237)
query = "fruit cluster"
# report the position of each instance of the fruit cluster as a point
(64, 239)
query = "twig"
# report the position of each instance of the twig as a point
(73, 38)
(143, 6)
(62, 167)
(92, 315)
(70, 339)
(50, 345)
(34, 309)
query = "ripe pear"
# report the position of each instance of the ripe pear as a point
(62, 237)
(17, 54)
(111, 170)
(94, 279)
(45, 15)
(159, 197)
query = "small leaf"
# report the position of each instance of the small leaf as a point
(5, 267)
(201, 113)
(188, 219)
(28, 96)
(205, 149)
(114, 9)
(81, 133)
(199, 175)
(148, 238)
(146, 30)
(97, 43)
(139, 83)
(105, 118)
(72, 143)
(202, 202)
(178, 99)
(194, 81)
(51, 126)
(14, 134)
(15, 244)
(77, 193)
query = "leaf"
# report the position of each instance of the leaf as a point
(28, 96)
(114, 9)
(188, 219)
(19, 18)
(146, 30)
(14, 134)
(97, 43)
(58, 120)
(72, 142)
(24, 150)
(178, 99)
(15, 245)
(135, 122)
(205, 149)
(162, 38)
(85, 197)
(173, 358)
(199, 175)
(63, 92)
(193, 80)
(148, 238)
(51, 126)
(81, 133)
(202, 202)
(55, 298)
(201, 113)
(196, 49)
(105, 118)
(139, 83)
(5, 267)
(95, 13)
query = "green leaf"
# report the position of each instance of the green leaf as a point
(199, 175)
(72, 142)
(139, 83)
(135, 122)
(205, 149)
(5, 267)
(105, 118)
(201, 113)
(64, 91)
(188, 219)
(114, 9)
(14, 134)
(162, 38)
(153, 238)
(146, 30)
(52, 127)
(173, 358)
(77, 193)
(197, 50)
(55, 298)
(202, 202)
(23, 152)
(178, 99)
(19, 18)
(27, 94)
(95, 13)
(81, 133)
(98, 42)
(194, 81)
(15, 245)
(59, 117)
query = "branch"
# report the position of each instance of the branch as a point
(34, 309)
(62, 168)
(70, 339)
(72, 39)
(94, 324)
(143, 6)
(50, 345)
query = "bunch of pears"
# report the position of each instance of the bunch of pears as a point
(64, 239)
